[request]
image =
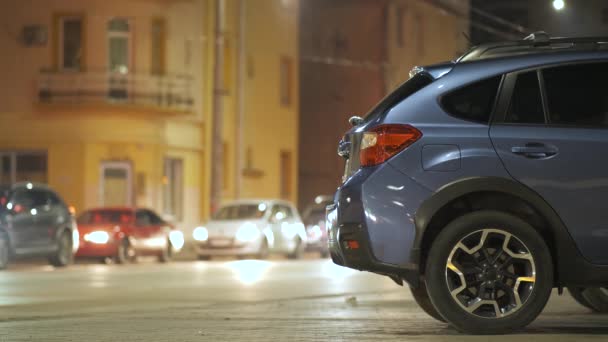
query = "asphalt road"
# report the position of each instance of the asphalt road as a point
(247, 300)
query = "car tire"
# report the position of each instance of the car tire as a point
(489, 272)
(298, 250)
(421, 296)
(4, 251)
(577, 294)
(264, 250)
(166, 254)
(64, 254)
(124, 253)
(597, 297)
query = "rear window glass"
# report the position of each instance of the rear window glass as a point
(576, 94)
(473, 102)
(408, 88)
(241, 212)
(105, 216)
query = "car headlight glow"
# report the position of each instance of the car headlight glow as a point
(289, 230)
(177, 239)
(247, 233)
(200, 234)
(99, 237)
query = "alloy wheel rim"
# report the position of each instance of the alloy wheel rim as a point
(490, 273)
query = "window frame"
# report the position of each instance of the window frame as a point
(504, 97)
(511, 81)
(60, 20)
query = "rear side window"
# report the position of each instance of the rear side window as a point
(473, 102)
(577, 94)
(526, 106)
(408, 88)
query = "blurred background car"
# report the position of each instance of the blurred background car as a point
(123, 233)
(252, 228)
(35, 221)
(314, 221)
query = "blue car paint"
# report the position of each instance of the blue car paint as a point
(574, 182)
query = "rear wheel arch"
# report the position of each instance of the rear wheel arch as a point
(488, 193)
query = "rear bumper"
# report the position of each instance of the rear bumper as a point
(371, 223)
(207, 249)
(89, 250)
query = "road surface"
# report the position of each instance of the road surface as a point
(247, 300)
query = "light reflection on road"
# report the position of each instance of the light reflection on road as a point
(336, 273)
(249, 272)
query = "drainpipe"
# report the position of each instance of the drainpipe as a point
(218, 98)
(240, 113)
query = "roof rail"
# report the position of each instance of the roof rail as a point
(539, 40)
(538, 37)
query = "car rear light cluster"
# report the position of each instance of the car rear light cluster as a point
(384, 141)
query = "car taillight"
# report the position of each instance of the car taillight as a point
(384, 141)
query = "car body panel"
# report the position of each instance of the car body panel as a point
(146, 239)
(35, 230)
(455, 157)
(278, 234)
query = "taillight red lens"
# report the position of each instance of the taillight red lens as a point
(384, 141)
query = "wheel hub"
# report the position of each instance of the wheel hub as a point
(490, 273)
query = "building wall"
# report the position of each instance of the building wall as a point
(268, 127)
(353, 52)
(79, 136)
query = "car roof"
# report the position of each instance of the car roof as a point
(119, 208)
(267, 201)
(26, 185)
(535, 45)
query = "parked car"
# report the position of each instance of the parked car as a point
(314, 221)
(123, 233)
(35, 221)
(482, 182)
(252, 228)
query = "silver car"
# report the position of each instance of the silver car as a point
(252, 228)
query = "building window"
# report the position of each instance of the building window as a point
(286, 81)
(71, 42)
(119, 45)
(399, 27)
(158, 62)
(173, 188)
(286, 175)
(23, 167)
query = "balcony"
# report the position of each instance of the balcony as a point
(171, 94)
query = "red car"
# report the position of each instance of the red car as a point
(125, 233)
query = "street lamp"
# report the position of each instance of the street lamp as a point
(558, 5)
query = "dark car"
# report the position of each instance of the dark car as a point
(35, 221)
(482, 183)
(123, 233)
(314, 222)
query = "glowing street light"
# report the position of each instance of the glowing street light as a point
(558, 5)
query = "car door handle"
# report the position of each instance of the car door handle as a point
(534, 150)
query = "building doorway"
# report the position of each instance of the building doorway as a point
(116, 184)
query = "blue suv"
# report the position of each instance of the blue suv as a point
(483, 183)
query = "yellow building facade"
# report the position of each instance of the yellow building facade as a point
(110, 101)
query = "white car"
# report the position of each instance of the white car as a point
(252, 228)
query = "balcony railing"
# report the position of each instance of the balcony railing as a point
(168, 92)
